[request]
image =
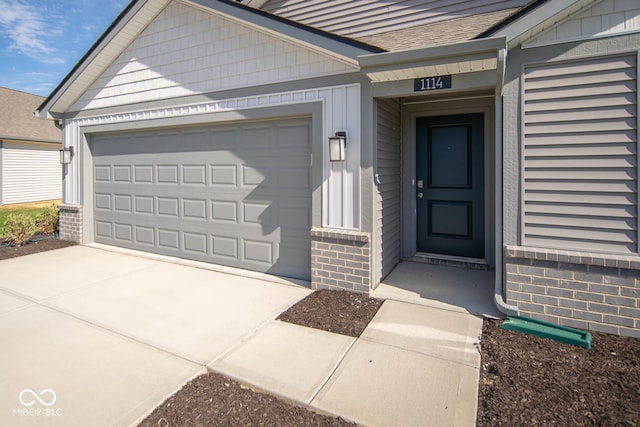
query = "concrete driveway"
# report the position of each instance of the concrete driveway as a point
(92, 337)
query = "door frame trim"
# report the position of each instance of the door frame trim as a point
(486, 106)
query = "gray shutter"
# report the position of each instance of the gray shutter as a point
(580, 155)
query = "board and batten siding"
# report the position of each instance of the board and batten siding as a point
(388, 184)
(30, 172)
(580, 155)
(359, 18)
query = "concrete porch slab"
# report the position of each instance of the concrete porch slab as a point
(97, 378)
(194, 313)
(289, 360)
(450, 288)
(439, 333)
(381, 385)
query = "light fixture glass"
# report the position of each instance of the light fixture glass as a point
(337, 146)
(65, 155)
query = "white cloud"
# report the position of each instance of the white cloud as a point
(29, 31)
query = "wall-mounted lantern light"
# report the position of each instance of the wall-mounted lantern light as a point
(65, 155)
(337, 145)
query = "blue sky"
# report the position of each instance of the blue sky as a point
(41, 41)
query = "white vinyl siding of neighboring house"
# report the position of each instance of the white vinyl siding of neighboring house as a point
(31, 172)
(388, 180)
(580, 155)
(359, 18)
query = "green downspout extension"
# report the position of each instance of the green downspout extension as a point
(498, 297)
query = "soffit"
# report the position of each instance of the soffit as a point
(465, 57)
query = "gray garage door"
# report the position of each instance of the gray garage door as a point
(237, 195)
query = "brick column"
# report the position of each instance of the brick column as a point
(340, 259)
(595, 291)
(70, 224)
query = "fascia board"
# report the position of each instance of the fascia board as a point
(411, 57)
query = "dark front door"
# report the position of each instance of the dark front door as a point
(450, 185)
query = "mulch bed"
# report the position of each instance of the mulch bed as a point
(213, 400)
(7, 252)
(340, 312)
(528, 380)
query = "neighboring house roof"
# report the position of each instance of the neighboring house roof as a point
(17, 121)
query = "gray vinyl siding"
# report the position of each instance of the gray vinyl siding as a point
(580, 154)
(358, 18)
(388, 197)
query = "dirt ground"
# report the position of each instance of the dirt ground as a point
(524, 380)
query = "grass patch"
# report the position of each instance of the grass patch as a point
(5, 211)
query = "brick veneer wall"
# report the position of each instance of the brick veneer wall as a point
(599, 292)
(340, 259)
(70, 225)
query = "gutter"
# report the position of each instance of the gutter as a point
(498, 296)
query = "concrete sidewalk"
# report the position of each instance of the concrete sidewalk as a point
(100, 338)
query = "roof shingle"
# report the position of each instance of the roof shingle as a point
(438, 33)
(17, 120)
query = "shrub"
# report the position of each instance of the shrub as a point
(48, 222)
(21, 228)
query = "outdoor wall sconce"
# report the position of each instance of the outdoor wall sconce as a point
(65, 155)
(337, 146)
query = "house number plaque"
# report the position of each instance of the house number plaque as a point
(431, 83)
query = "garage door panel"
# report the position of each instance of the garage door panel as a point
(102, 173)
(238, 196)
(194, 209)
(143, 174)
(144, 235)
(123, 232)
(102, 201)
(103, 230)
(225, 211)
(194, 175)
(223, 175)
(195, 242)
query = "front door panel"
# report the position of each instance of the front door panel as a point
(450, 185)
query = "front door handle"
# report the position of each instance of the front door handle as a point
(420, 195)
